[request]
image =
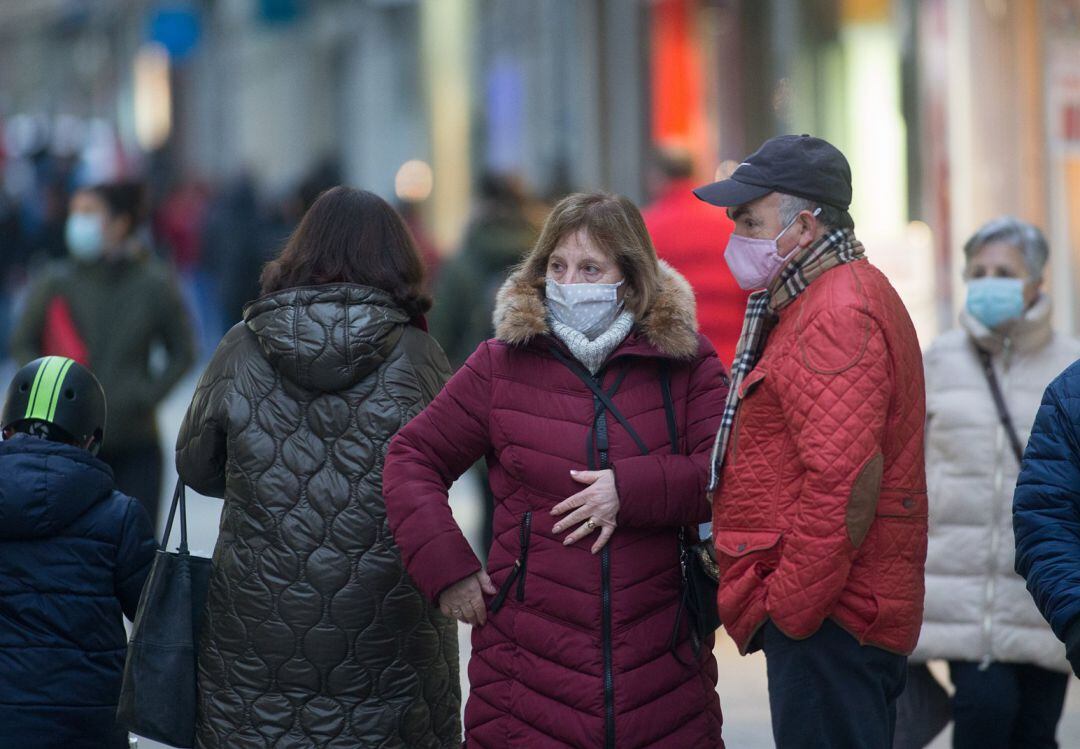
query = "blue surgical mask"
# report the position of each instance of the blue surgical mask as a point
(85, 235)
(994, 301)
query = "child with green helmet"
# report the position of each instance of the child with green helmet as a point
(74, 554)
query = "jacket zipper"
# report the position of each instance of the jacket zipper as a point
(605, 595)
(523, 560)
(995, 531)
(609, 676)
(517, 573)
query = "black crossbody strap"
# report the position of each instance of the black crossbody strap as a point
(602, 397)
(999, 402)
(669, 405)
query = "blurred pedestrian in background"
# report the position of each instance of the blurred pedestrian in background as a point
(12, 262)
(113, 306)
(583, 642)
(74, 553)
(820, 511)
(984, 381)
(691, 235)
(314, 635)
(497, 237)
(234, 246)
(179, 224)
(413, 216)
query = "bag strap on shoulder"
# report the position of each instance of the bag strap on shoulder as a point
(999, 402)
(669, 405)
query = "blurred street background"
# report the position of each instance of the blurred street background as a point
(473, 116)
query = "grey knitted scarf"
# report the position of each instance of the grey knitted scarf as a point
(592, 354)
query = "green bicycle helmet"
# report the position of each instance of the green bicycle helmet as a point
(59, 399)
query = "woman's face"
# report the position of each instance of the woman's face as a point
(113, 229)
(577, 259)
(1003, 260)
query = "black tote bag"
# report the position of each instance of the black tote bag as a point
(157, 698)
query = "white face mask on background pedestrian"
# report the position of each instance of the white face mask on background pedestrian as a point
(85, 236)
(589, 308)
(995, 301)
(755, 263)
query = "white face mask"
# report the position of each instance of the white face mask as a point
(589, 308)
(85, 236)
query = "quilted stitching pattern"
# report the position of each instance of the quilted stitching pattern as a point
(314, 634)
(536, 670)
(840, 381)
(1046, 506)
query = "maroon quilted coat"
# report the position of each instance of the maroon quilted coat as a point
(579, 654)
(821, 511)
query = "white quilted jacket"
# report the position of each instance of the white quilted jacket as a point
(977, 608)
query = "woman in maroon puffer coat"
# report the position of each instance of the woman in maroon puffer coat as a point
(579, 640)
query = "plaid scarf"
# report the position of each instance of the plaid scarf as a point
(834, 249)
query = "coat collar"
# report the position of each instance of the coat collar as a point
(1029, 333)
(668, 328)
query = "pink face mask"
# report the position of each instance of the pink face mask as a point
(755, 263)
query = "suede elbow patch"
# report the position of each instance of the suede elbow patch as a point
(862, 504)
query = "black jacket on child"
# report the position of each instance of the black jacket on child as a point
(74, 554)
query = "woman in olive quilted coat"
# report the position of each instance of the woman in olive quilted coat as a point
(314, 636)
(579, 639)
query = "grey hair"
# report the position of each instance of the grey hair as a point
(1020, 234)
(830, 217)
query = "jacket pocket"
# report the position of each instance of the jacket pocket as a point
(753, 379)
(517, 572)
(745, 558)
(745, 388)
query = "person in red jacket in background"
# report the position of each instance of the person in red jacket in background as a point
(818, 480)
(690, 236)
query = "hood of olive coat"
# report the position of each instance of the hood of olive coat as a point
(326, 338)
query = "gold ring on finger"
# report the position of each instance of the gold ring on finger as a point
(591, 524)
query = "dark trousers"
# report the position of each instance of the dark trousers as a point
(138, 474)
(1006, 705)
(828, 691)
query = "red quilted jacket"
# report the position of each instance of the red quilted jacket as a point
(821, 511)
(579, 654)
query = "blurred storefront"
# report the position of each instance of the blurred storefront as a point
(951, 111)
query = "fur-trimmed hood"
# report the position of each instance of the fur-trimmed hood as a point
(669, 325)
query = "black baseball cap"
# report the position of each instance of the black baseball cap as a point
(800, 165)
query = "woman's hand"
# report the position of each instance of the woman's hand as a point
(464, 600)
(594, 507)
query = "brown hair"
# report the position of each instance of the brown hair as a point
(352, 236)
(123, 199)
(614, 223)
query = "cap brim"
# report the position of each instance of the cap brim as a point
(729, 192)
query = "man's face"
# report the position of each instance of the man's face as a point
(758, 219)
(761, 219)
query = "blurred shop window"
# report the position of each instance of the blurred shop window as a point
(281, 11)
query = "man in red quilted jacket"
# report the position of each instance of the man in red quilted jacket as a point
(818, 483)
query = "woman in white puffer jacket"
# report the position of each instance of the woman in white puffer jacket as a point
(1009, 670)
